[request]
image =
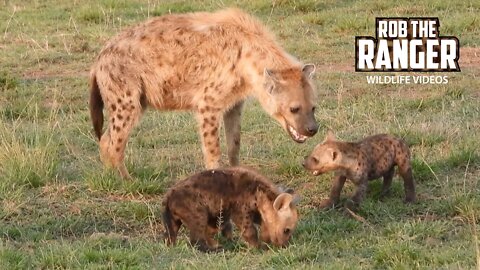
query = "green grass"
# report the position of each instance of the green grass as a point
(59, 208)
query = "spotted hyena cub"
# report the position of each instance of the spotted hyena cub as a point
(206, 202)
(371, 158)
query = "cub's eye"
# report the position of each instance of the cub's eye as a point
(286, 231)
(314, 160)
(294, 109)
(314, 108)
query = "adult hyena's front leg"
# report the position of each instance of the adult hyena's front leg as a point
(208, 121)
(232, 120)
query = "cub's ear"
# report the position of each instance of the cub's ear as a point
(282, 189)
(295, 201)
(270, 80)
(282, 202)
(308, 70)
(330, 137)
(334, 155)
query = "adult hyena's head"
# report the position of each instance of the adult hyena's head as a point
(279, 220)
(290, 100)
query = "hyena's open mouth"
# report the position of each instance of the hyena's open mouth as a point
(316, 172)
(297, 137)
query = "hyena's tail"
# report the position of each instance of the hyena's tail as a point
(170, 225)
(96, 106)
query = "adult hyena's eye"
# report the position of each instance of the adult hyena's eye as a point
(286, 231)
(314, 160)
(294, 109)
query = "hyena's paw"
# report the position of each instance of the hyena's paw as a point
(217, 248)
(207, 246)
(409, 199)
(384, 194)
(326, 204)
(263, 246)
(352, 205)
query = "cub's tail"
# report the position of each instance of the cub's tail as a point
(96, 106)
(170, 226)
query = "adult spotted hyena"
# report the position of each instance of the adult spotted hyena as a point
(204, 62)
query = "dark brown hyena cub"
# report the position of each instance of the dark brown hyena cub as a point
(369, 159)
(206, 202)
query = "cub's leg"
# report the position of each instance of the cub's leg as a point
(172, 225)
(337, 184)
(402, 158)
(225, 227)
(208, 121)
(227, 230)
(211, 242)
(387, 182)
(247, 228)
(201, 235)
(181, 206)
(198, 239)
(359, 194)
(408, 183)
(232, 119)
(124, 112)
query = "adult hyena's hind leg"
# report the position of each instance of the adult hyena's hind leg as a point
(232, 120)
(124, 111)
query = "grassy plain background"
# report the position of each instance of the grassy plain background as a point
(61, 209)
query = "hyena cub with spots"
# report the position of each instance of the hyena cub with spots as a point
(375, 156)
(206, 202)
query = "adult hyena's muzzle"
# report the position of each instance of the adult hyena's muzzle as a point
(305, 128)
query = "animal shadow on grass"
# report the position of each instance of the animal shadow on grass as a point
(376, 202)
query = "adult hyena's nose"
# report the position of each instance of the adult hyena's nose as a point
(312, 129)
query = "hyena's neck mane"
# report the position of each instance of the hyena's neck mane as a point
(259, 49)
(258, 40)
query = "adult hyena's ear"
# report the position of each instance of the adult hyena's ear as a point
(270, 81)
(308, 70)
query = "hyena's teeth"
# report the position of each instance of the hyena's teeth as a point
(296, 135)
(316, 172)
